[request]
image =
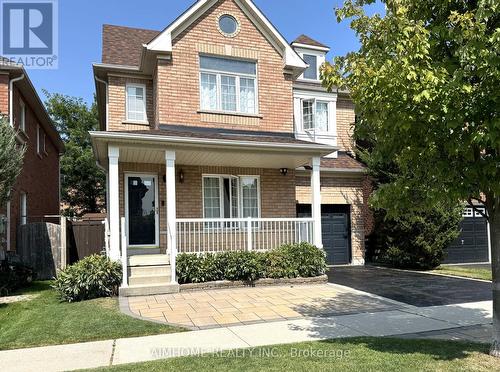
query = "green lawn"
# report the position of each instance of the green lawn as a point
(361, 354)
(468, 271)
(45, 320)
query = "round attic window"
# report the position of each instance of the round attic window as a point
(228, 25)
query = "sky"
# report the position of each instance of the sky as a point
(80, 28)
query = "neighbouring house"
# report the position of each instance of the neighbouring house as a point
(217, 135)
(36, 192)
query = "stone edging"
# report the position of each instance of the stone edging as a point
(222, 284)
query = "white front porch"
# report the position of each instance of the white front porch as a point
(202, 235)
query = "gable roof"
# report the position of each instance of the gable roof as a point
(123, 45)
(308, 41)
(163, 41)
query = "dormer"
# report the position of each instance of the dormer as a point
(314, 55)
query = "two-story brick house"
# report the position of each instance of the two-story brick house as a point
(36, 192)
(216, 134)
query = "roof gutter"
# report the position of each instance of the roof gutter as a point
(11, 99)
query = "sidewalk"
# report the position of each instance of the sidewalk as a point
(464, 320)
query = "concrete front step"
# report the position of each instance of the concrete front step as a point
(149, 280)
(149, 270)
(148, 290)
(149, 260)
(142, 251)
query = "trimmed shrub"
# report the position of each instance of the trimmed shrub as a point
(288, 261)
(416, 240)
(93, 277)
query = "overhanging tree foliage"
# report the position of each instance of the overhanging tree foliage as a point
(81, 180)
(11, 160)
(425, 83)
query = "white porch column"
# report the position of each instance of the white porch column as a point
(316, 201)
(114, 203)
(171, 210)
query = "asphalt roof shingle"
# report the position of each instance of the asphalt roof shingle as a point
(306, 40)
(122, 45)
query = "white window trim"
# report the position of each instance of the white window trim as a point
(23, 209)
(320, 59)
(136, 85)
(314, 112)
(157, 209)
(22, 116)
(218, 75)
(221, 177)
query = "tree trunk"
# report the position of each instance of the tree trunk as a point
(495, 267)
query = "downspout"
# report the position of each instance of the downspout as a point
(11, 122)
(104, 169)
(11, 99)
(107, 99)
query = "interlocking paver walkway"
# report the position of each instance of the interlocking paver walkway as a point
(219, 308)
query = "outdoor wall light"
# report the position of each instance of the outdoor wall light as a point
(284, 171)
(181, 176)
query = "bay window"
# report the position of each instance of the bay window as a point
(228, 85)
(230, 196)
(315, 115)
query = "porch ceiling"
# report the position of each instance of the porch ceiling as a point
(143, 148)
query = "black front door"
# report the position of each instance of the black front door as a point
(142, 210)
(335, 225)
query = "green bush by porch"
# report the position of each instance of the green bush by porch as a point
(93, 277)
(288, 261)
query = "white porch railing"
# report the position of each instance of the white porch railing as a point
(251, 234)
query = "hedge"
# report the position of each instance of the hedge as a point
(93, 277)
(288, 261)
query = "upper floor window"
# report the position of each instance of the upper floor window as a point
(312, 71)
(228, 85)
(136, 102)
(40, 141)
(22, 116)
(315, 115)
(23, 209)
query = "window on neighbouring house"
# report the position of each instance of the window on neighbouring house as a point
(230, 197)
(40, 141)
(312, 71)
(228, 85)
(315, 115)
(23, 211)
(136, 102)
(22, 116)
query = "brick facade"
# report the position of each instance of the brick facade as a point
(343, 191)
(345, 123)
(4, 94)
(117, 114)
(39, 178)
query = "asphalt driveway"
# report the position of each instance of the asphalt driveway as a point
(413, 288)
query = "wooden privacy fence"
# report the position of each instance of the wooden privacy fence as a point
(85, 239)
(49, 247)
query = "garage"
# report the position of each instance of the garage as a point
(335, 225)
(472, 246)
